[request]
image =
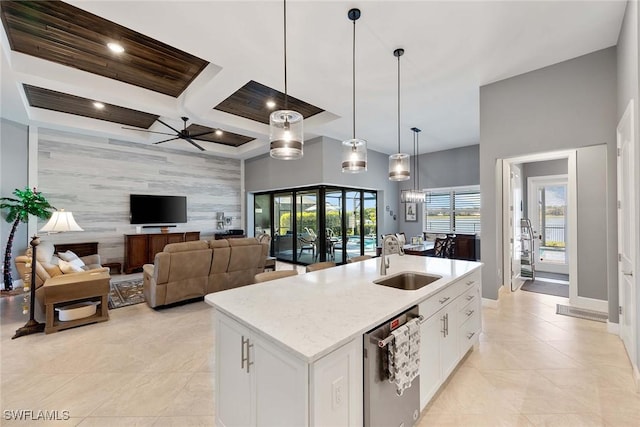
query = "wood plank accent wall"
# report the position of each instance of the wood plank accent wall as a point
(93, 177)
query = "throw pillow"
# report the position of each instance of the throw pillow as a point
(68, 267)
(71, 258)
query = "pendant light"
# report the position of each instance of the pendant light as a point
(285, 126)
(399, 162)
(354, 151)
(416, 195)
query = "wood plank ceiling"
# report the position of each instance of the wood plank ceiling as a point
(225, 138)
(59, 32)
(63, 102)
(250, 102)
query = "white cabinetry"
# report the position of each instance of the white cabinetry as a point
(261, 384)
(451, 327)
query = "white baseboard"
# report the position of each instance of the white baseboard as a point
(590, 304)
(489, 303)
(613, 328)
(636, 375)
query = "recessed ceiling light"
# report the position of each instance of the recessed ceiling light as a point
(219, 132)
(271, 104)
(98, 105)
(115, 47)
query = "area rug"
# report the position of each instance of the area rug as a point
(582, 313)
(128, 292)
(542, 286)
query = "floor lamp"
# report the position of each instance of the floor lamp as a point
(59, 222)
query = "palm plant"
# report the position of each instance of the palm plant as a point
(27, 202)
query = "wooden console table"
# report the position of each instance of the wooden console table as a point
(80, 249)
(141, 249)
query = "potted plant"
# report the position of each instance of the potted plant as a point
(27, 202)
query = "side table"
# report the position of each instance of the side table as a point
(114, 267)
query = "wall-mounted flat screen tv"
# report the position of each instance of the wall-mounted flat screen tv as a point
(152, 209)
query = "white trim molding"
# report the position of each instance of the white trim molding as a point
(613, 328)
(590, 304)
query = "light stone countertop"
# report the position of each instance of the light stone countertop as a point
(312, 314)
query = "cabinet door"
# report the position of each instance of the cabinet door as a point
(233, 382)
(449, 354)
(156, 244)
(175, 238)
(135, 252)
(431, 332)
(280, 383)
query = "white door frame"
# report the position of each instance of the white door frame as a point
(532, 183)
(628, 322)
(572, 226)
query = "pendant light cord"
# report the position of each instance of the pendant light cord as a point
(286, 97)
(418, 161)
(354, 79)
(398, 103)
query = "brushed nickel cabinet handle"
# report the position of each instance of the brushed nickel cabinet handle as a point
(249, 362)
(469, 297)
(469, 336)
(244, 358)
(444, 325)
(443, 300)
(469, 313)
(471, 282)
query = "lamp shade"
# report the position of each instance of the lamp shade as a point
(60, 222)
(399, 167)
(286, 135)
(354, 155)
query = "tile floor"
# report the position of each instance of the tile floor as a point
(149, 367)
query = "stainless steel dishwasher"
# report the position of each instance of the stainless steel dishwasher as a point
(382, 405)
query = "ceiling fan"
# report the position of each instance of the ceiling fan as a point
(179, 134)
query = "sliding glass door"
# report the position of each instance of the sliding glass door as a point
(283, 226)
(319, 224)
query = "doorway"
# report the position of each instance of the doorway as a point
(547, 209)
(556, 216)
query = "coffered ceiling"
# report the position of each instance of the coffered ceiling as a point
(213, 61)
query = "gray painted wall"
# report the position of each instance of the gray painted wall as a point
(321, 164)
(568, 105)
(591, 168)
(534, 169)
(628, 72)
(93, 177)
(14, 154)
(448, 168)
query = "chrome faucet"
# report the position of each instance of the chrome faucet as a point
(393, 247)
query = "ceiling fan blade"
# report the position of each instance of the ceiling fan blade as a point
(148, 131)
(167, 140)
(201, 134)
(190, 141)
(170, 127)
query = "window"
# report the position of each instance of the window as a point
(452, 210)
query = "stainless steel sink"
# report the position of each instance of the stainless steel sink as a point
(407, 281)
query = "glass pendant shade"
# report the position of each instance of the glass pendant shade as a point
(354, 156)
(399, 167)
(286, 135)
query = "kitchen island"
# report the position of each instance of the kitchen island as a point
(289, 351)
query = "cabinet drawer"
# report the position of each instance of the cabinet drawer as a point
(471, 296)
(469, 330)
(434, 303)
(474, 278)
(468, 311)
